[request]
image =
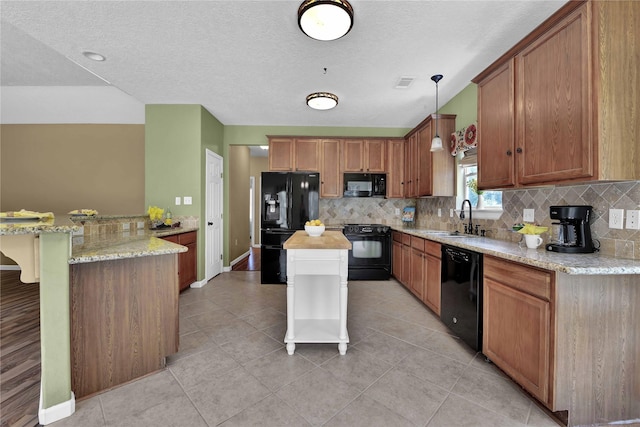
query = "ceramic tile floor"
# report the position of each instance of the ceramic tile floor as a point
(401, 369)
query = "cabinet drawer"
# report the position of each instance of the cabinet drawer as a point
(397, 236)
(406, 239)
(186, 238)
(433, 248)
(417, 243)
(531, 280)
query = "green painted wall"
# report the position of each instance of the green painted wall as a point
(464, 105)
(176, 137)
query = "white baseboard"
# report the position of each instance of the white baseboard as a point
(198, 284)
(56, 412)
(240, 258)
(226, 269)
(10, 267)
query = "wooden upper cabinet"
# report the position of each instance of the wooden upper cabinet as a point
(330, 176)
(294, 154)
(554, 105)
(307, 154)
(424, 182)
(496, 129)
(363, 155)
(429, 173)
(410, 165)
(395, 168)
(560, 101)
(281, 154)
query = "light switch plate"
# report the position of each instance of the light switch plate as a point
(528, 215)
(178, 201)
(633, 219)
(439, 212)
(616, 216)
(187, 200)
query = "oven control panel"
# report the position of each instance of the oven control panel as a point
(366, 229)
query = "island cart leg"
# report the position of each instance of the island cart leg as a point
(290, 335)
(344, 294)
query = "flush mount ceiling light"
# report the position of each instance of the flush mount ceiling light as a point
(436, 142)
(325, 19)
(322, 100)
(94, 56)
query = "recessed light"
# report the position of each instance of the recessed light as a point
(94, 56)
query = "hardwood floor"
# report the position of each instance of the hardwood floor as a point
(250, 263)
(19, 350)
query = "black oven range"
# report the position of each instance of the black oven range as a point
(370, 256)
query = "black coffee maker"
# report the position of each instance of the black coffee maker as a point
(572, 233)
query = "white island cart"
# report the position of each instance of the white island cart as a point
(317, 289)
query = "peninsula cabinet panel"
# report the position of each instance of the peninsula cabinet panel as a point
(124, 320)
(330, 176)
(395, 168)
(565, 94)
(281, 154)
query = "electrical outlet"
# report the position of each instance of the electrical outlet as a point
(439, 212)
(178, 200)
(633, 220)
(451, 213)
(616, 216)
(187, 200)
(528, 215)
(397, 211)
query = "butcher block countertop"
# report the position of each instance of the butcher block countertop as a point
(328, 240)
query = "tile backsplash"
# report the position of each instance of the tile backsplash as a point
(601, 196)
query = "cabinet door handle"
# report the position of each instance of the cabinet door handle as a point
(209, 223)
(518, 150)
(509, 152)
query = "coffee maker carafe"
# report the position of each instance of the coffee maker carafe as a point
(572, 233)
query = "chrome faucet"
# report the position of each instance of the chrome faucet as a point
(469, 229)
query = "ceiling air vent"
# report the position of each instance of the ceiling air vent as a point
(404, 82)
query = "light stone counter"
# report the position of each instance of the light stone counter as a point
(125, 245)
(575, 264)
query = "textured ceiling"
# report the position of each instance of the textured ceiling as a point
(248, 63)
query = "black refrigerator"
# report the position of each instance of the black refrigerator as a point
(289, 199)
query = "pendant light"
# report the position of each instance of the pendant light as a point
(436, 142)
(325, 19)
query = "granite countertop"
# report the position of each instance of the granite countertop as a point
(61, 223)
(587, 264)
(328, 240)
(139, 243)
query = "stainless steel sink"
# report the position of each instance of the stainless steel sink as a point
(448, 234)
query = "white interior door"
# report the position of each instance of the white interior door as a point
(213, 224)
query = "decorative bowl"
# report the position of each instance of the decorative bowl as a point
(314, 230)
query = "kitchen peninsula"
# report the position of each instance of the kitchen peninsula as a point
(317, 289)
(108, 307)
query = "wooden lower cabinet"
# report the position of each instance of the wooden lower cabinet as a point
(433, 259)
(416, 264)
(187, 261)
(124, 320)
(517, 334)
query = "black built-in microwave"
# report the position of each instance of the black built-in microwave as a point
(365, 185)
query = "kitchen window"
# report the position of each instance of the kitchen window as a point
(468, 170)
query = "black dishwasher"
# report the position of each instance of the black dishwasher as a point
(461, 294)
